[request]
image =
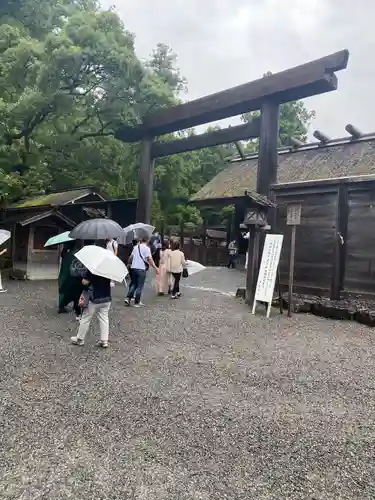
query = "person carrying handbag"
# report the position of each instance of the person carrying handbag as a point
(95, 300)
(176, 266)
(140, 260)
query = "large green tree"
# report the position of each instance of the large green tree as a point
(64, 90)
(69, 77)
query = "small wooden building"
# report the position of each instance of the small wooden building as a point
(33, 221)
(335, 183)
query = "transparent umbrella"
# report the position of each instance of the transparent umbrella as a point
(135, 232)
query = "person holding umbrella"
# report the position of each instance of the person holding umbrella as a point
(102, 267)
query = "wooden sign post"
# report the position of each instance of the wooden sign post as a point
(293, 219)
(268, 271)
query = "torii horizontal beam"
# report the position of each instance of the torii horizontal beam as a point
(312, 78)
(243, 132)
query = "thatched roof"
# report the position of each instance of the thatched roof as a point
(56, 199)
(309, 163)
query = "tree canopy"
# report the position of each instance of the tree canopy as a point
(69, 77)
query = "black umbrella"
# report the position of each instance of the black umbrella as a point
(96, 229)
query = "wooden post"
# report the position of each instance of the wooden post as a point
(268, 141)
(229, 229)
(291, 270)
(182, 231)
(340, 242)
(109, 210)
(266, 176)
(293, 218)
(204, 242)
(145, 183)
(252, 261)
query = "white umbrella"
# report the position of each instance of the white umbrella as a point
(135, 232)
(194, 267)
(101, 262)
(4, 236)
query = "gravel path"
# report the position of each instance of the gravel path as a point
(195, 399)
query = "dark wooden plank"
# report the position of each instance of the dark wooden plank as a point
(360, 246)
(232, 134)
(315, 240)
(267, 159)
(340, 243)
(315, 77)
(145, 183)
(252, 264)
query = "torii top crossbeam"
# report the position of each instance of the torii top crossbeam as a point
(312, 78)
(266, 94)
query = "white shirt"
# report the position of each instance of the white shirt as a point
(140, 254)
(112, 246)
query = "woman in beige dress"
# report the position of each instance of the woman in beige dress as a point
(163, 281)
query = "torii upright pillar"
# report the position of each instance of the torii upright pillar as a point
(145, 182)
(266, 176)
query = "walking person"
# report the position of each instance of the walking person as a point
(95, 300)
(70, 286)
(140, 260)
(232, 255)
(176, 264)
(156, 247)
(163, 281)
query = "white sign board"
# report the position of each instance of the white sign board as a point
(293, 214)
(268, 270)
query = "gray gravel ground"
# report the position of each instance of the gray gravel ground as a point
(195, 399)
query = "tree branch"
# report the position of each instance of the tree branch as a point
(33, 122)
(96, 134)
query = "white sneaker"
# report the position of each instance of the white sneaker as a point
(77, 341)
(103, 344)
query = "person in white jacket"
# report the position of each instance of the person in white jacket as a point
(176, 265)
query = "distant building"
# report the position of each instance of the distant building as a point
(33, 221)
(335, 183)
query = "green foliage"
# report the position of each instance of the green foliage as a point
(69, 77)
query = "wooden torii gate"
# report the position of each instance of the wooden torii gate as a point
(265, 94)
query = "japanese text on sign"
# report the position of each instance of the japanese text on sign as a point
(268, 267)
(293, 215)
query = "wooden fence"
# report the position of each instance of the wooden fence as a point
(335, 243)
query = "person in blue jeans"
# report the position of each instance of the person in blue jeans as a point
(140, 260)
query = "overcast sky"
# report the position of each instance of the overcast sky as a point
(223, 43)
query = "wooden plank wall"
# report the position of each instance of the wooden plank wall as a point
(360, 245)
(315, 241)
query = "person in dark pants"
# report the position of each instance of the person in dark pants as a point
(70, 287)
(232, 257)
(176, 265)
(140, 260)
